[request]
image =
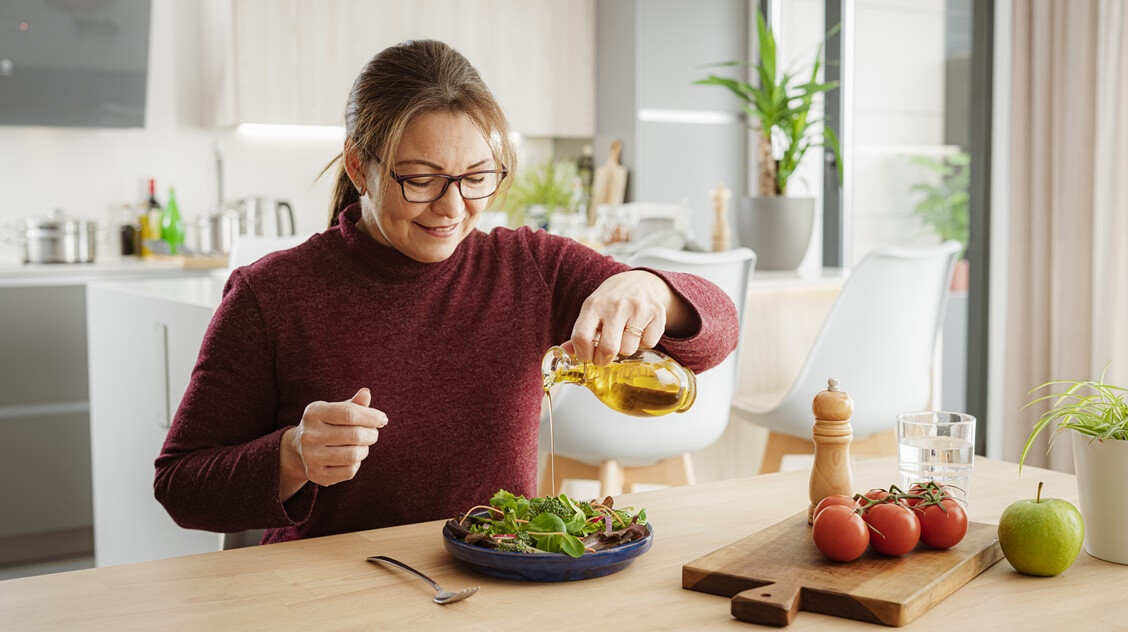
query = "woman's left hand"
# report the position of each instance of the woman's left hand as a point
(628, 311)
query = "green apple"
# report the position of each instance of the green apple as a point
(1041, 536)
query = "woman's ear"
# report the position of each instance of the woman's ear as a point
(354, 166)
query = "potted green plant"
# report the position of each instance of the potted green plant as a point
(1096, 415)
(778, 227)
(944, 205)
(540, 191)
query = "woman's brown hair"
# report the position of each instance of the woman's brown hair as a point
(401, 82)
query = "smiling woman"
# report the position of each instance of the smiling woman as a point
(420, 214)
(340, 385)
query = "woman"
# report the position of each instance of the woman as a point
(387, 370)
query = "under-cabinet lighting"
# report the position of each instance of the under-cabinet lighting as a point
(270, 130)
(692, 117)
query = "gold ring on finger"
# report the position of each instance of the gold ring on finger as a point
(631, 329)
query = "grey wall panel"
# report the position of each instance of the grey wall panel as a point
(677, 39)
(685, 162)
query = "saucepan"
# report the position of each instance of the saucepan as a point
(55, 239)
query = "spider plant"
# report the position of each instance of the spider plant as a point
(1092, 408)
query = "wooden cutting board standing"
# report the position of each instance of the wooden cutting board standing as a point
(609, 184)
(774, 573)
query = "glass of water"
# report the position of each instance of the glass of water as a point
(937, 446)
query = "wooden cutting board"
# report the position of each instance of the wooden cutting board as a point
(774, 573)
(609, 184)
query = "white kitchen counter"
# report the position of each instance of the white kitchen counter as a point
(196, 291)
(57, 274)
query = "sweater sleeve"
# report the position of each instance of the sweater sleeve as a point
(219, 467)
(719, 329)
(573, 271)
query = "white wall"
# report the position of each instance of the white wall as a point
(898, 103)
(91, 172)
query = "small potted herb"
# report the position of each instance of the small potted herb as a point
(944, 205)
(540, 191)
(1096, 415)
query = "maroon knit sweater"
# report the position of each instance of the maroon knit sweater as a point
(451, 352)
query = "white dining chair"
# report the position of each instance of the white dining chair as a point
(248, 249)
(593, 442)
(880, 340)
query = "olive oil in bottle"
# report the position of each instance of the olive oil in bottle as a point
(645, 384)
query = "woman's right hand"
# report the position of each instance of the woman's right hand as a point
(329, 443)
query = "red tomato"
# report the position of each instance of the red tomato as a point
(942, 529)
(877, 494)
(897, 529)
(835, 499)
(915, 490)
(927, 488)
(840, 533)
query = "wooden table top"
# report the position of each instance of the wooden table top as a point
(325, 583)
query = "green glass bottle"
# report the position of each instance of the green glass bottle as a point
(172, 227)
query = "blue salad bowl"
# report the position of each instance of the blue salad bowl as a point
(546, 567)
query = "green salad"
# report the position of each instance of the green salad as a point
(552, 524)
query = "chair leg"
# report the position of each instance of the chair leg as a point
(565, 468)
(881, 444)
(676, 470)
(611, 478)
(780, 444)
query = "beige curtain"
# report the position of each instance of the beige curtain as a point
(1067, 303)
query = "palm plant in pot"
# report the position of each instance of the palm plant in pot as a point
(1096, 415)
(778, 227)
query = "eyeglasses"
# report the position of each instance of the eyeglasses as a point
(428, 187)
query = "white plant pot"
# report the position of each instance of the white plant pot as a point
(1102, 475)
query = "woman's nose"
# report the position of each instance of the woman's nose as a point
(451, 204)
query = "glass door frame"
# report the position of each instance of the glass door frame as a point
(836, 198)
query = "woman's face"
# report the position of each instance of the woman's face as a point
(434, 143)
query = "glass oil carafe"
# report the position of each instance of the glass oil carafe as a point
(645, 384)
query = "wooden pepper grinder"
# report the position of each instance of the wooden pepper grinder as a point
(832, 435)
(721, 196)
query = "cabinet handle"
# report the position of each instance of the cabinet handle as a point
(164, 415)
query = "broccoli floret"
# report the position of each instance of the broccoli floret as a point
(550, 504)
(515, 546)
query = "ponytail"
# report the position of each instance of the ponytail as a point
(344, 192)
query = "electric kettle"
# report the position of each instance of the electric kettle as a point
(264, 216)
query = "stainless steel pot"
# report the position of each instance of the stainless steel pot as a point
(59, 239)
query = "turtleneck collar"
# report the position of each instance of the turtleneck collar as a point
(384, 262)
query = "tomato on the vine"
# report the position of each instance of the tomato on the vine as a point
(926, 491)
(895, 529)
(835, 499)
(878, 494)
(840, 533)
(942, 524)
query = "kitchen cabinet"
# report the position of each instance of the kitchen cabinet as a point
(45, 405)
(294, 61)
(144, 337)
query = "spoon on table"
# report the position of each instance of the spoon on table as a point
(442, 595)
